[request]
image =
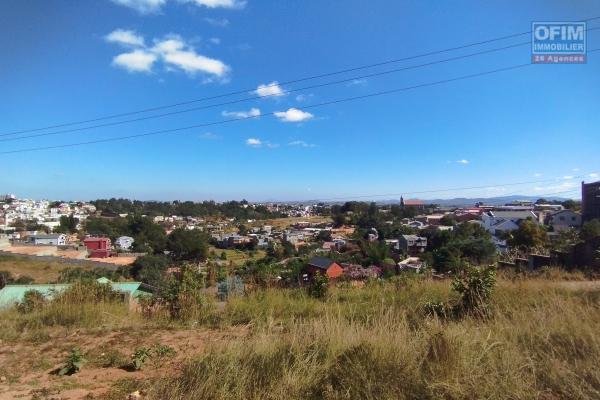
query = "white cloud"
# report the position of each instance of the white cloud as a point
(234, 4)
(191, 62)
(220, 22)
(357, 82)
(142, 6)
(254, 142)
(567, 177)
(575, 169)
(293, 115)
(253, 112)
(301, 143)
(537, 174)
(215, 40)
(209, 136)
(135, 61)
(125, 37)
(271, 89)
(556, 187)
(594, 175)
(172, 50)
(304, 97)
(463, 161)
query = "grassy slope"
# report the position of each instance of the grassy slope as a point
(371, 343)
(40, 271)
(238, 257)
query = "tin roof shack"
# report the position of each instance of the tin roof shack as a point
(98, 247)
(322, 265)
(131, 291)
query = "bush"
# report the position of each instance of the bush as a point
(32, 300)
(73, 364)
(475, 286)
(319, 286)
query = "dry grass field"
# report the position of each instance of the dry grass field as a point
(539, 341)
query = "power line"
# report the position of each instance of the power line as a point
(338, 72)
(342, 100)
(85, 128)
(174, 130)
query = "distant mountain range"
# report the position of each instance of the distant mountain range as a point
(470, 201)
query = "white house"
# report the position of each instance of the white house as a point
(58, 239)
(505, 221)
(124, 242)
(564, 219)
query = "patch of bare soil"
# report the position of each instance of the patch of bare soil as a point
(28, 370)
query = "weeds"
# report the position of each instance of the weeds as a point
(73, 364)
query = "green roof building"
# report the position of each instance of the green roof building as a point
(13, 294)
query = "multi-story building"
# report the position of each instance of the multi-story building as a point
(590, 200)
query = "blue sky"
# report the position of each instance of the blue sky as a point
(65, 61)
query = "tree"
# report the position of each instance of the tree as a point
(242, 229)
(68, 224)
(528, 235)
(338, 220)
(150, 269)
(590, 229)
(324, 235)
(448, 220)
(189, 245)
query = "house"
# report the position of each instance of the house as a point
(322, 265)
(124, 242)
(13, 294)
(98, 247)
(412, 244)
(505, 221)
(413, 264)
(58, 239)
(564, 219)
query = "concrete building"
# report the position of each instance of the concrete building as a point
(564, 219)
(58, 239)
(590, 200)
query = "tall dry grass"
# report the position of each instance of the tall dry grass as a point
(375, 343)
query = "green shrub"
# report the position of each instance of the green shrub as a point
(139, 357)
(73, 364)
(319, 286)
(32, 300)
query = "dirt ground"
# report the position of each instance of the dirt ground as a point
(68, 254)
(28, 370)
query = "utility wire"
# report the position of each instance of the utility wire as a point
(342, 100)
(342, 71)
(85, 128)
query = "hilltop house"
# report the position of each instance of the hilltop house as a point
(322, 265)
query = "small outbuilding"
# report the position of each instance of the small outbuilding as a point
(323, 265)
